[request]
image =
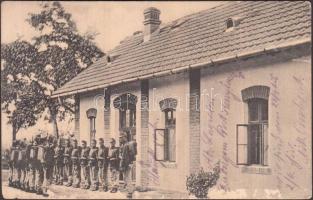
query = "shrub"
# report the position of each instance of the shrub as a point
(198, 183)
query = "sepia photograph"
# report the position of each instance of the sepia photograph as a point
(156, 100)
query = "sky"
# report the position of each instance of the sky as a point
(113, 21)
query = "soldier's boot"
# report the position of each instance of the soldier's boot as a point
(39, 191)
(129, 195)
(10, 182)
(75, 185)
(14, 184)
(113, 190)
(82, 185)
(69, 182)
(94, 187)
(27, 188)
(45, 192)
(18, 184)
(87, 186)
(105, 188)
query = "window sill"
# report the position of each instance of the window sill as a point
(256, 169)
(167, 164)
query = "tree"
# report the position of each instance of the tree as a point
(63, 53)
(21, 98)
(60, 52)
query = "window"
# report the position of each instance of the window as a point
(233, 22)
(229, 23)
(165, 139)
(91, 115)
(126, 104)
(127, 118)
(252, 142)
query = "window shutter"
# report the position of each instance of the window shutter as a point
(265, 143)
(242, 144)
(171, 145)
(159, 144)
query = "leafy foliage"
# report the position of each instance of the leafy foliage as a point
(53, 58)
(18, 90)
(198, 183)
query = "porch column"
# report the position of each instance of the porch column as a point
(76, 117)
(144, 180)
(194, 119)
(107, 115)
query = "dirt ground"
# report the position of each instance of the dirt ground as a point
(63, 192)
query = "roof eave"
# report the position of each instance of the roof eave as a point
(193, 66)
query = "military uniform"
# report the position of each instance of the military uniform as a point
(93, 167)
(103, 167)
(28, 167)
(76, 165)
(113, 161)
(33, 163)
(68, 165)
(47, 164)
(40, 169)
(12, 163)
(58, 161)
(85, 181)
(127, 156)
(21, 164)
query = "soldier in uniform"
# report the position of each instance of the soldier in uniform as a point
(50, 158)
(12, 163)
(39, 164)
(103, 166)
(113, 161)
(85, 182)
(93, 165)
(127, 156)
(55, 144)
(47, 164)
(75, 163)
(68, 163)
(21, 164)
(58, 160)
(28, 166)
(33, 163)
(17, 171)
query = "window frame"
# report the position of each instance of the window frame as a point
(264, 145)
(237, 149)
(155, 144)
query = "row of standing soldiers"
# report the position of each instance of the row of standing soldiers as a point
(36, 164)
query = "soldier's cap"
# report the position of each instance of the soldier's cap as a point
(94, 140)
(101, 140)
(84, 141)
(112, 140)
(123, 135)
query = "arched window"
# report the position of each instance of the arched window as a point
(252, 143)
(91, 115)
(126, 104)
(165, 139)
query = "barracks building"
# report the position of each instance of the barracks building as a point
(229, 84)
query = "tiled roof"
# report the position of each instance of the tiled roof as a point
(198, 38)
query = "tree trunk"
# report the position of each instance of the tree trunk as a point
(55, 125)
(14, 131)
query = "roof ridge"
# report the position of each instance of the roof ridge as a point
(199, 40)
(162, 25)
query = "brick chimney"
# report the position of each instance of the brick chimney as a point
(151, 22)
